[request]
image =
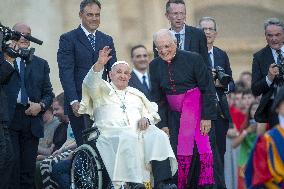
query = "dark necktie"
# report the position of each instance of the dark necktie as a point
(279, 57)
(92, 40)
(210, 60)
(178, 40)
(144, 82)
(24, 95)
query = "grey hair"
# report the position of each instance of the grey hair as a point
(273, 21)
(208, 18)
(85, 3)
(164, 32)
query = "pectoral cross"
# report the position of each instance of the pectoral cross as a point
(123, 107)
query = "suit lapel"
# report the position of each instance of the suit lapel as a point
(84, 39)
(187, 38)
(216, 57)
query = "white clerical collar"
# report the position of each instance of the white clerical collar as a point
(86, 31)
(139, 74)
(281, 121)
(182, 31)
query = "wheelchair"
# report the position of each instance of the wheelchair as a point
(87, 169)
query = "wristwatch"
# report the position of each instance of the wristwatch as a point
(42, 106)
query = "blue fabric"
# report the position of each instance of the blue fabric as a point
(92, 39)
(278, 141)
(144, 82)
(210, 60)
(61, 173)
(24, 96)
(178, 40)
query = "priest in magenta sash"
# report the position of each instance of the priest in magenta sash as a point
(184, 91)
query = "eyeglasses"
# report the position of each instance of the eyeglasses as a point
(176, 14)
(164, 47)
(209, 29)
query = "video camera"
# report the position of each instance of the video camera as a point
(224, 78)
(6, 34)
(279, 79)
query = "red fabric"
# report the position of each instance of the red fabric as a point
(260, 170)
(241, 180)
(238, 117)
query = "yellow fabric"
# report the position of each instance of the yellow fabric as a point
(276, 170)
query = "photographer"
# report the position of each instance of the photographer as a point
(224, 84)
(30, 91)
(265, 71)
(6, 154)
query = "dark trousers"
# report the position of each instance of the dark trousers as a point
(77, 125)
(221, 126)
(25, 146)
(6, 156)
(61, 173)
(161, 171)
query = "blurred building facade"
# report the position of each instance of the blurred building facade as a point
(131, 22)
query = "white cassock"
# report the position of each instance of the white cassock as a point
(125, 150)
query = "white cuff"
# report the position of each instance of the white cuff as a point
(73, 102)
(268, 81)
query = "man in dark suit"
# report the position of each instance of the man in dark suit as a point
(188, 38)
(218, 57)
(78, 51)
(30, 91)
(265, 73)
(6, 151)
(139, 75)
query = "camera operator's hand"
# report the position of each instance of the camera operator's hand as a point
(272, 72)
(214, 73)
(34, 109)
(6, 55)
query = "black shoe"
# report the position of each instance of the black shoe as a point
(163, 185)
(132, 185)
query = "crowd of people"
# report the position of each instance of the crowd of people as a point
(179, 121)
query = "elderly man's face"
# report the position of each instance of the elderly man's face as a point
(274, 36)
(120, 75)
(90, 17)
(209, 29)
(166, 47)
(25, 30)
(140, 59)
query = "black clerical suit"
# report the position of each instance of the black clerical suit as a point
(188, 71)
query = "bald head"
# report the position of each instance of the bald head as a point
(25, 30)
(164, 33)
(20, 26)
(166, 44)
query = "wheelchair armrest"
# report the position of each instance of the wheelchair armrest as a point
(86, 133)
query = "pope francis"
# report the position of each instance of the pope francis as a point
(131, 146)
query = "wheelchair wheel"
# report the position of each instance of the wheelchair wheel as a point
(86, 171)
